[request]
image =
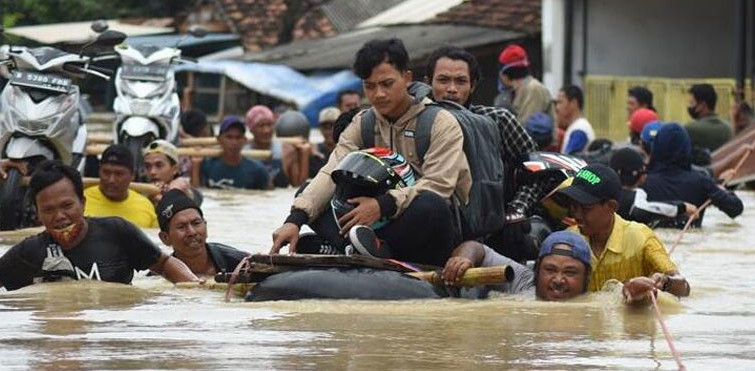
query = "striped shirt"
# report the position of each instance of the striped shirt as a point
(632, 250)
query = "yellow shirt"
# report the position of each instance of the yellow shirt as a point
(632, 250)
(136, 208)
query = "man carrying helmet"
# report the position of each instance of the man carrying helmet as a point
(421, 227)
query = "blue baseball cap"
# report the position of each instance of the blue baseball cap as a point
(650, 131)
(540, 127)
(231, 121)
(579, 248)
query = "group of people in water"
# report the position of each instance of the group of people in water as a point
(411, 184)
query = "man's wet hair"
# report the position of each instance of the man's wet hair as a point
(344, 93)
(704, 93)
(342, 122)
(377, 51)
(643, 96)
(454, 53)
(573, 92)
(49, 172)
(193, 121)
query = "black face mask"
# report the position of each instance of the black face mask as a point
(692, 112)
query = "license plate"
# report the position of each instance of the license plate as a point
(143, 72)
(40, 81)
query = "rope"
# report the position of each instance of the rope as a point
(705, 204)
(666, 333)
(243, 264)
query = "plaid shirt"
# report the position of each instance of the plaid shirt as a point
(516, 144)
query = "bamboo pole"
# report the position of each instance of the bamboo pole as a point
(145, 189)
(472, 277)
(104, 138)
(239, 289)
(98, 149)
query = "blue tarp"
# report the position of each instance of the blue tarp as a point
(308, 94)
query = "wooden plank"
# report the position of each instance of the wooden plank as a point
(307, 260)
(746, 173)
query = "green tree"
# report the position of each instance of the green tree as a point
(33, 12)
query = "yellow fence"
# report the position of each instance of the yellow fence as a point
(606, 97)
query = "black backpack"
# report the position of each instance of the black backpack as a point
(485, 212)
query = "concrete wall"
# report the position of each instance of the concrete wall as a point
(659, 38)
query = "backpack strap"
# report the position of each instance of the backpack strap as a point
(367, 123)
(422, 135)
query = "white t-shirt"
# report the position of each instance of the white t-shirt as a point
(580, 142)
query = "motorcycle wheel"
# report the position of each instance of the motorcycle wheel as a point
(135, 146)
(11, 201)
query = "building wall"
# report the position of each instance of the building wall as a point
(664, 38)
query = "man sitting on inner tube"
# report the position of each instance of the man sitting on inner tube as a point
(421, 227)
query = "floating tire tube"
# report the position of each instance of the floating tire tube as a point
(334, 283)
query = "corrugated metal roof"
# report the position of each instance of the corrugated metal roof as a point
(346, 14)
(170, 40)
(79, 32)
(410, 12)
(339, 51)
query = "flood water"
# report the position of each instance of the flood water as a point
(152, 325)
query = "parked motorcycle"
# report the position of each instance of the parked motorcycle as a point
(146, 103)
(41, 116)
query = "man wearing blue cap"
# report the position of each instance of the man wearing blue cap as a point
(562, 269)
(231, 170)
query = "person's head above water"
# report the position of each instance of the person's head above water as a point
(628, 163)
(58, 193)
(672, 148)
(161, 161)
(182, 224)
(116, 172)
(383, 67)
(453, 73)
(593, 199)
(562, 269)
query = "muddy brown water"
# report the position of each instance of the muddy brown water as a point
(152, 325)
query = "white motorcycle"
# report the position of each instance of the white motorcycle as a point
(41, 116)
(146, 103)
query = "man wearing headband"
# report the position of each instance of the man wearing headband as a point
(74, 247)
(289, 164)
(112, 197)
(182, 227)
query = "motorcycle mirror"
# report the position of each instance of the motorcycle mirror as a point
(110, 38)
(99, 26)
(197, 31)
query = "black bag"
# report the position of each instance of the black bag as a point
(484, 214)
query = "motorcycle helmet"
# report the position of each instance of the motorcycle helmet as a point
(292, 124)
(368, 173)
